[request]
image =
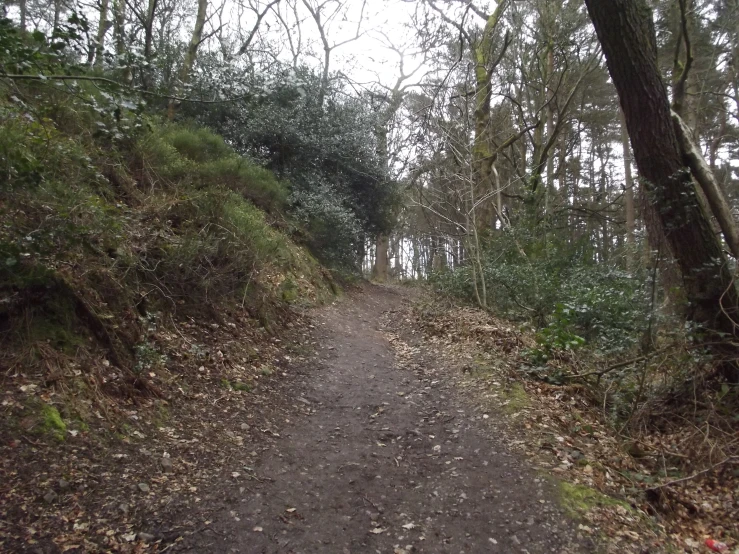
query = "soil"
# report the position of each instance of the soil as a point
(381, 459)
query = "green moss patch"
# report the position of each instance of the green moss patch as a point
(515, 398)
(579, 499)
(52, 422)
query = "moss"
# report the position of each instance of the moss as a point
(515, 398)
(238, 385)
(162, 416)
(579, 499)
(52, 422)
(483, 367)
(81, 424)
(289, 290)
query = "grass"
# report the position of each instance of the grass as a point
(99, 233)
(236, 385)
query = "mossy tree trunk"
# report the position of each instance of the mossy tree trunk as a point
(483, 151)
(190, 55)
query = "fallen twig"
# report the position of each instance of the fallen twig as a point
(730, 459)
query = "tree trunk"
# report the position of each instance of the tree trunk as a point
(100, 38)
(190, 55)
(628, 192)
(57, 14)
(148, 39)
(483, 156)
(715, 195)
(379, 270)
(626, 32)
(23, 7)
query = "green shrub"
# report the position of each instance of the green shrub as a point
(333, 229)
(253, 182)
(197, 144)
(558, 336)
(161, 162)
(566, 299)
(221, 244)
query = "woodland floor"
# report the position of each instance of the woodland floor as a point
(381, 423)
(385, 460)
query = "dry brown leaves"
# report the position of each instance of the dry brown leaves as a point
(133, 472)
(562, 429)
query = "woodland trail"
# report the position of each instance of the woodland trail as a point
(385, 462)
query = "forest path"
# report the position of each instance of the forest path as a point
(384, 461)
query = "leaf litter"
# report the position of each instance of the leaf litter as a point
(619, 489)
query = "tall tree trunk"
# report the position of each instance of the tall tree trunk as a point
(628, 192)
(57, 14)
(626, 32)
(550, 128)
(23, 7)
(379, 270)
(483, 155)
(100, 38)
(148, 39)
(190, 55)
(713, 192)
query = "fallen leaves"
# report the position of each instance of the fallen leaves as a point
(130, 464)
(562, 429)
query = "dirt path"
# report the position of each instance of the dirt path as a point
(385, 462)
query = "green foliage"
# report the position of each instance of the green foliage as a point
(569, 300)
(197, 144)
(201, 159)
(556, 337)
(255, 183)
(339, 190)
(148, 357)
(334, 231)
(110, 217)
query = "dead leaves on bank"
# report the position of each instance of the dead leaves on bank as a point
(83, 472)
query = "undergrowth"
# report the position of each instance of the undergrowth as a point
(112, 221)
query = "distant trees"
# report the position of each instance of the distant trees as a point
(523, 176)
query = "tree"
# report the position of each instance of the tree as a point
(190, 53)
(323, 14)
(626, 32)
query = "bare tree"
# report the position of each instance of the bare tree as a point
(324, 13)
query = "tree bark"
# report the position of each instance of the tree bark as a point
(714, 193)
(628, 192)
(379, 270)
(100, 38)
(626, 32)
(23, 7)
(483, 155)
(190, 55)
(148, 39)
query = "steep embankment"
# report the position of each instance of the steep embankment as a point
(147, 278)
